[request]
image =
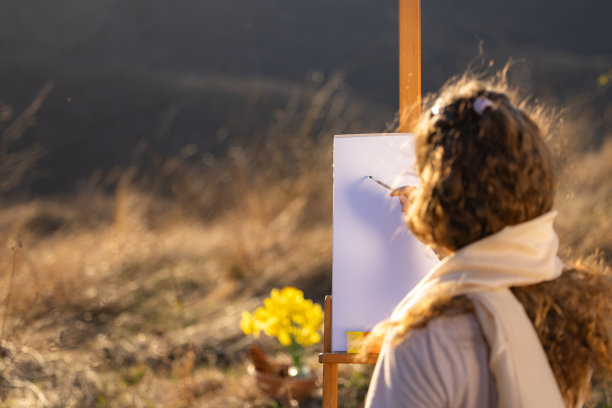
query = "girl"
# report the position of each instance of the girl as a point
(500, 322)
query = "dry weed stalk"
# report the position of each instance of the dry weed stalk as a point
(14, 247)
(14, 165)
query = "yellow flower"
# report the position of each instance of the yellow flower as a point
(605, 78)
(314, 338)
(271, 326)
(314, 316)
(286, 315)
(261, 315)
(246, 323)
(283, 337)
(292, 295)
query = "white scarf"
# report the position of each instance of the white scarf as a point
(518, 255)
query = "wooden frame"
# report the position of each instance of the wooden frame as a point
(330, 360)
(409, 113)
(409, 64)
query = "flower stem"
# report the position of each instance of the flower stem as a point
(295, 350)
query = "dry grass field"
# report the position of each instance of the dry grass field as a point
(128, 293)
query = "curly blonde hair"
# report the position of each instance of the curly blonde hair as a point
(479, 174)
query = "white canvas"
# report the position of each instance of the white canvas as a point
(376, 260)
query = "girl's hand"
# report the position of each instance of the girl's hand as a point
(405, 196)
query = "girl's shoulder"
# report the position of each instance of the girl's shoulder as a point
(449, 340)
(444, 363)
(457, 328)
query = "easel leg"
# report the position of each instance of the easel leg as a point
(330, 385)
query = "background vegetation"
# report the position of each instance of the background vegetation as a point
(161, 172)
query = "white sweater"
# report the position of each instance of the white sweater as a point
(443, 365)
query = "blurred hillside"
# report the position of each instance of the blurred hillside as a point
(191, 71)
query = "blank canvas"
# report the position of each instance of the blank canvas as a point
(376, 260)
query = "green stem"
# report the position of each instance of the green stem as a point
(295, 350)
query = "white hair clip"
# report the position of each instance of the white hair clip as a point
(481, 103)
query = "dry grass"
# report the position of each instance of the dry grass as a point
(16, 163)
(132, 298)
(585, 205)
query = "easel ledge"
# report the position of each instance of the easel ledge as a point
(330, 360)
(346, 358)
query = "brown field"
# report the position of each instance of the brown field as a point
(128, 293)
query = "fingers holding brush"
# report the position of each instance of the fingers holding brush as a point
(405, 196)
(402, 191)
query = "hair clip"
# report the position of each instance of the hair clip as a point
(481, 103)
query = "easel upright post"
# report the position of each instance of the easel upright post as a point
(330, 370)
(409, 64)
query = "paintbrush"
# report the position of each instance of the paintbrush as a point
(381, 183)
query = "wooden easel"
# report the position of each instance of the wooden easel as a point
(409, 112)
(331, 360)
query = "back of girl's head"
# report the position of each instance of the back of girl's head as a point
(480, 171)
